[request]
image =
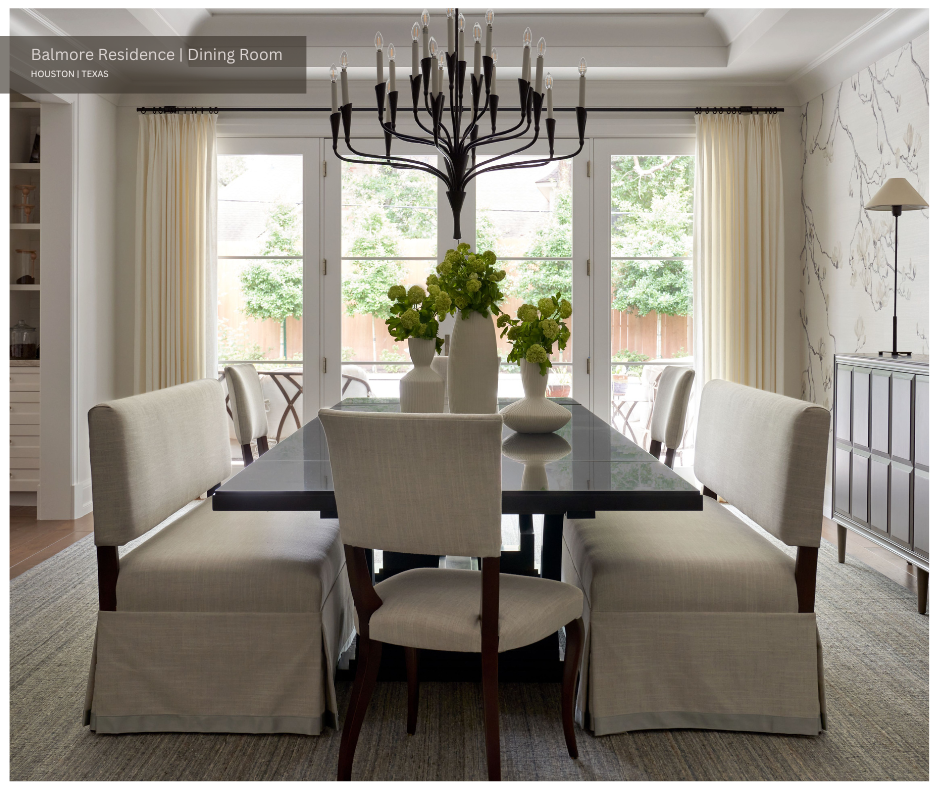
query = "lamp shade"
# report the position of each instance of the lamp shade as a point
(896, 191)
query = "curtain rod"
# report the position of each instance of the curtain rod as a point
(173, 110)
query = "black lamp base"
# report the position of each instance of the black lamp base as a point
(895, 353)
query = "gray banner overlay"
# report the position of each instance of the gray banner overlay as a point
(157, 64)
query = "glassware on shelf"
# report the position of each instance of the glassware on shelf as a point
(24, 267)
(23, 193)
(23, 214)
(23, 342)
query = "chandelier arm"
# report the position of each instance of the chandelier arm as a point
(471, 173)
(501, 136)
(406, 137)
(480, 115)
(407, 164)
(529, 164)
(433, 123)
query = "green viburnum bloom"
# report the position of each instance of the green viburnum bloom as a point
(463, 248)
(502, 320)
(410, 319)
(536, 355)
(445, 268)
(461, 302)
(442, 302)
(416, 294)
(528, 313)
(434, 291)
(432, 280)
(564, 309)
(490, 257)
(477, 265)
(513, 333)
(546, 306)
(500, 276)
(473, 285)
(550, 328)
(422, 329)
(396, 291)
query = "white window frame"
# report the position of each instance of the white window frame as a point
(311, 150)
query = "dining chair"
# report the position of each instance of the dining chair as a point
(397, 490)
(247, 401)
(355, 383)
(667, 421)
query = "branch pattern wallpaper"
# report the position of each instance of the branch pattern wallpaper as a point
(869, 128)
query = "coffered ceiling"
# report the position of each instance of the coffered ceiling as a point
(807, 49)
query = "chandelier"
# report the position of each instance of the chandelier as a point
(457, 135)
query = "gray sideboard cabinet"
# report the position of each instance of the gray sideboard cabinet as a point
(880, 460)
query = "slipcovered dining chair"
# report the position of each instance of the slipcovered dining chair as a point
(395, 490)
(248, 413)
(695, 619)
(670, 406)
(219, 622)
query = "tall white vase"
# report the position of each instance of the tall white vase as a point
(439, 365)
(422, 389)
(535, 412)
(473, 368)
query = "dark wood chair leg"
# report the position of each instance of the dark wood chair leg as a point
(109, 566)
(709, 493)
(922, 578)
(805, 572)
(656, 448)
(262, 444)
(670, 457)
(370, 655)
(247, 457)
(574, 643)
(411, 665)
(491, 711)
(841, 533)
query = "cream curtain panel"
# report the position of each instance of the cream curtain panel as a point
(738, 250)
(175, 250)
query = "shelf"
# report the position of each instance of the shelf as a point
(24, 165)
(25, 226)
(31, 288)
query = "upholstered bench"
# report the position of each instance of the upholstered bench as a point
(220, 621)
(694, 619)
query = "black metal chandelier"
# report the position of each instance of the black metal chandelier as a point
(458, 138)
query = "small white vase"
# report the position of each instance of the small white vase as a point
(535, 452)
(535, 412)
(439, 365)
(473, 369)
(422, 389)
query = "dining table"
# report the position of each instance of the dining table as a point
(583, 468)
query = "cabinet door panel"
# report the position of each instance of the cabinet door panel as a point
(900, 524)
(844, 403)
(879, 412)
(860, 487)
(860, 380)
(901, 417)
(921, 511)
(921, 421)
(879, 494)
(840, 479)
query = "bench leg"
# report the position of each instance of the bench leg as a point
(841, 533)
(922, 577)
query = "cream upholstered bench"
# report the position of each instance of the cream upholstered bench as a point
(220, 621)
(696, 620)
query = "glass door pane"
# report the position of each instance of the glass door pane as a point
(260, 245)
(389, 237)
(651, 281)
(525, 217)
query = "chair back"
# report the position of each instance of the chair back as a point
(671, 405)
(154, 453)
(425, 483)
(247, 402)
(766, 455)
(355, 382)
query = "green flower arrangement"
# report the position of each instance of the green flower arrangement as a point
(471, 281)
(536, 330)
(416, 313)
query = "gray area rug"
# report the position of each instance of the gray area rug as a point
(876, 660)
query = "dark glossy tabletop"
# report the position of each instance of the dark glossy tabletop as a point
(588, 467)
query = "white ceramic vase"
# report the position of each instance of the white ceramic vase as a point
(439, 365)
(473, 368)
(422, 389)
(535, 412)
(535, 452)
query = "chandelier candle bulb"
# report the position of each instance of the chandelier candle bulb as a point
(450, 31)
(415, 68)
(461, 24)
(425, 21)
(344, 62)
(388, 109)
(379, 74)
(391, 68)
(489, 30)
(548, 95)
(495, 55)
(527, 55)
(539, 62)
(441, 59)
(334, 101)
(582, 68)
(477, 50)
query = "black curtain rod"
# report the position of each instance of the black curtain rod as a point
(173, 110)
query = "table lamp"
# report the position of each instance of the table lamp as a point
(896, 195)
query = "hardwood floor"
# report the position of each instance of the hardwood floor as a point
(33, 541)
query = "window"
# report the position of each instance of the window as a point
(389, 237)
(525, 216)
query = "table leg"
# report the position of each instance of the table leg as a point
(551, 546)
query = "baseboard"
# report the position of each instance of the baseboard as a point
(23, 498)
(81, 499)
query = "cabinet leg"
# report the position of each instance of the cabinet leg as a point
(922, 577)
(841, 532)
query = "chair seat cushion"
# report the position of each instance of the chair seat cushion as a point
(440, 609)
(708, 561)
(233, 562)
